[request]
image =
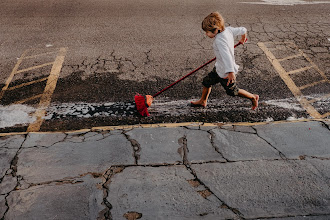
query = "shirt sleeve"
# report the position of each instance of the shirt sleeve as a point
(228, 62)
(238, 31)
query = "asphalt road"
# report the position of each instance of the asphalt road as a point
(78, 64)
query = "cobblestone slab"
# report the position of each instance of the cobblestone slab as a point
(267, 188)
(297, 139)
(237, 146)
(157, 145)
(162, 193)
(76, 200)
(75, 155)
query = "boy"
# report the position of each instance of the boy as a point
(225, 69)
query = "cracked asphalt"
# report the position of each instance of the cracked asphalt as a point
(190, 171)
(115, 50)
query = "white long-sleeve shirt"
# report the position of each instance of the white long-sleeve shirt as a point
(223, 46)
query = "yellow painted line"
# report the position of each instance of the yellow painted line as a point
(309, 60)
(12, 134)
(166, 125)
(27, 84)
(325, 115)
(289, 82)
(13, 72)
(125, 127)
(290, 57)
(312, 84)
(40, 55)
(300, 70)
(28, 99)
(48, 92)
(35, 67)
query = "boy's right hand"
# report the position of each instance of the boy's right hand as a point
(231, 78)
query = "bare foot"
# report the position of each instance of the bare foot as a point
(255, 102)
(198, 103)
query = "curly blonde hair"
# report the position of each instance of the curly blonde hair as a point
(213, 21)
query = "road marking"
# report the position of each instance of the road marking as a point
(300, 70)
(27, 84)
(296, 91)
(10, 78)
(290, 57)
(35, 67)
(45, 97)
(48, 92)
(40, 55)
(28, 99)
(312, 84)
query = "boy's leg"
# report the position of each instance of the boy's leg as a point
(253, 97)
(211, 79)
(203, 100)
(233, 90)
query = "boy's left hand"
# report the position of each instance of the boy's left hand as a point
(231, 78)
(243, 39)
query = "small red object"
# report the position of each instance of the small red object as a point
(141, 106)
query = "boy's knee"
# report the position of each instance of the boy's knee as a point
(206, 83)
(232, 91)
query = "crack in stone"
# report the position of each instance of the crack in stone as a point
(67, 180)
(214, 145)
(290, 216)
(13, 171)
(57, 182)
(235, 128)
(113, 170)
(325, 125)
(183, 150)
(279, 152)
(147, 57)
(135, 145)
(207, 192)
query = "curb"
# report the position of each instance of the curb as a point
(165, 125)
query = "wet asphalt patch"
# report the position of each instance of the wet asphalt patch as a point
(223, 115)
(105, 100)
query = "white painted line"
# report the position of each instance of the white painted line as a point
(15, 114)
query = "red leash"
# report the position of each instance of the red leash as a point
(143, 102)
(205, 64)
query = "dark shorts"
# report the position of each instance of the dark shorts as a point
(213, 78)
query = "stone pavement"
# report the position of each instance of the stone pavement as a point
(179, 171)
